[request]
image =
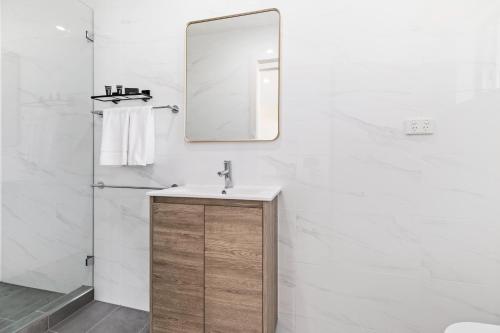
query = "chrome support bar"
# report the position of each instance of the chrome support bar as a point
(101, 185)
(89, 36)
(173, 108)
(89, 261)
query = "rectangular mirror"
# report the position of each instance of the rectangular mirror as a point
(233, 78)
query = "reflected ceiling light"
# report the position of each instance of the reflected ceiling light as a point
(270, 51)
(58, 27)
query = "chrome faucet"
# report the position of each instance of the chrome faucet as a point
(227, 174)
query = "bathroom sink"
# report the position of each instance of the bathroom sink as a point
(256, 193)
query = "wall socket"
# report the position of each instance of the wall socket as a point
(419, 126)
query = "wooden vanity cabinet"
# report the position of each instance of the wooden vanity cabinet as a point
(213, 266)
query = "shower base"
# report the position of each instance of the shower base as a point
(16, 302)
(24, 309)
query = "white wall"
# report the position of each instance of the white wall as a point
(379, 232)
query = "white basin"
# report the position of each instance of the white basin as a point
(255, 193)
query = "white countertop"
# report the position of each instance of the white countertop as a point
(254, 193)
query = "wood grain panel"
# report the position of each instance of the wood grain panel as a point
(233, 269)
(208, 202)
(270, 287)
(177, 270)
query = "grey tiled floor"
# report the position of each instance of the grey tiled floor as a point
(17, 302)
(99, 317)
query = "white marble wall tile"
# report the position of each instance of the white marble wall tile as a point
(122, 247)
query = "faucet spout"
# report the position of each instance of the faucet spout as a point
(227, 174)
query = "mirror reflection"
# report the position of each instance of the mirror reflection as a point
(232, 78)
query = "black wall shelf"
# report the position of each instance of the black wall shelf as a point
(118, 98)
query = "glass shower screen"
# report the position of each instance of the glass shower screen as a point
(46, 160)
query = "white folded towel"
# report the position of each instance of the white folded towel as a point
(141, 142)
(115, 136)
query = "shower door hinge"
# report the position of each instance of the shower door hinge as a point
(89, 35)
(89, 261)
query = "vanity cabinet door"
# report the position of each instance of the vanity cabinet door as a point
(177, 276)
(233, 269)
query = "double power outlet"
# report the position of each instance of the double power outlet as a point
(419, 126)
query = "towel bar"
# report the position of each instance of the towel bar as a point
(101, 185)
(173, 108)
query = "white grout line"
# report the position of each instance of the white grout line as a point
(105, 317)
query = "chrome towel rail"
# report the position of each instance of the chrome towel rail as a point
(101, 185)
(173, 108)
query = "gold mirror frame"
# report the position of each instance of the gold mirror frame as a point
(279, 74)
